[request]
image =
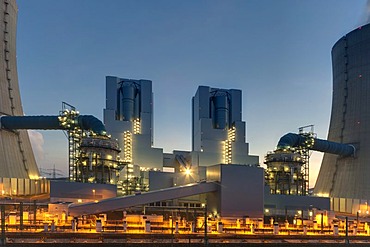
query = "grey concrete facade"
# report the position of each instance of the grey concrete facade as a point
(161, 180)
(129, 107)
(240, 191)
(348, 177)
(215, 114)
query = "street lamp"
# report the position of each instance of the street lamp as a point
(93, 191)
(187, 171)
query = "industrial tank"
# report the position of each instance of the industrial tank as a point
(220, 111)
(349, 177)
(284, 174)
(99, 160)
(129, 104)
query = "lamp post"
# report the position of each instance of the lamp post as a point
(2, 224)
(347, 240)
(93, 191)
(172, 236)
(357, 220)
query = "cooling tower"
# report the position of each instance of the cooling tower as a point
(347, 179)
(16, 156)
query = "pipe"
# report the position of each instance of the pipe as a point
(85, 122)
(89, 122)
(295, 140)
(30, 122)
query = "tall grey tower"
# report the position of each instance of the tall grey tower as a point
(346, 180)
(16, 155)
(218, 130)
(128, 117)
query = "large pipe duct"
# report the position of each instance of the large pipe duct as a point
(89, 122)
(85, 122)
(295, 140)
(30, 122)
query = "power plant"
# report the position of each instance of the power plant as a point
(346, 178)
(19, 174)
(113, 166)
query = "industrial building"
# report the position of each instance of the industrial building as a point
(218, 132)
(19, 174)
(344, 171)
(218, 162)
(128, 117)
(115, 167)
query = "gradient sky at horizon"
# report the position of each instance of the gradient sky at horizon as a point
(276, 52)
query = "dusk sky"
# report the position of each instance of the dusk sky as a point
(276, 52)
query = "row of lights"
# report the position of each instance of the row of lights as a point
(309, 142)
(127, 143)
(137, 126)
(67, 118)
(228, 146)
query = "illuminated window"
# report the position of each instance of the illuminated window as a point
(228, 145)
(137, 126)
(127, 142)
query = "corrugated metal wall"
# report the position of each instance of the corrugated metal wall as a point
(23, 186)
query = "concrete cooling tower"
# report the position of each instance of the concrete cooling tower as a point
(347, 179)
(16, 157)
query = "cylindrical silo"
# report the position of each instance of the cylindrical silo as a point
(221, 111)
(99, 160)
(128, 95)
(349, 177)
(16, 156)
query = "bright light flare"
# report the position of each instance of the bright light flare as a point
(187, 171)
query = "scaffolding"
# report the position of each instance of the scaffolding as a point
(91, 158)
(308, 133)
(95, 158)
(74, 134)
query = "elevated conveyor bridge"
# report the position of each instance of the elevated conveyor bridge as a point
(121, 203)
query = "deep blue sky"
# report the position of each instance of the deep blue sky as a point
(276, 52)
